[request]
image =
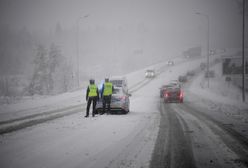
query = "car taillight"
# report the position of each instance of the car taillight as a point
(166, 94)
(123, 98)
(181, 95)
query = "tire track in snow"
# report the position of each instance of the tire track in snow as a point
(173, 146)
(31, 120)
(133, 150)
(231, 138)
(208, 148)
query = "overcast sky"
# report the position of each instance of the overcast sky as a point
(171, 17)
(44, 13)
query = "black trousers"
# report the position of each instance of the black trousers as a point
(94, 100)
(106, 101)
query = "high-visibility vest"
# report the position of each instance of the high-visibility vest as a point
(93, 90)
(107, 89)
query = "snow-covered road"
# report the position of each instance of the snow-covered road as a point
(168, 135)
(192, 139)
(207, 130)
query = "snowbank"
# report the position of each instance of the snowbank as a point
(219, 90)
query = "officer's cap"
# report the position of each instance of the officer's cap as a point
(92, 81)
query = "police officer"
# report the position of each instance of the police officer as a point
(106, 94)
(92, 94)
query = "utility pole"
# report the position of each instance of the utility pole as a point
(208, 49)
(243, 54)
(77, 73)
(208, 36)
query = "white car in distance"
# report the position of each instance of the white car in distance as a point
(150, 73)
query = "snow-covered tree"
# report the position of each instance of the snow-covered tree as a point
(52, 74)
(59, 71)
(40, 80)
(55, 59)
(67, 77)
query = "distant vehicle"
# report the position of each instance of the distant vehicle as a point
(150, 73)
(175, 83)
(191, 73)
(170, 62)
(173, 94)
(193, 52)
(209, 74)
(120, 102)
(119, 82)
(182, 78)
(217, 60)
(203, 66)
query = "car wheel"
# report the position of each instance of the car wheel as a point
(96, 112)
(124, 112)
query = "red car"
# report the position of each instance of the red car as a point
(163, 89)
(173, 94)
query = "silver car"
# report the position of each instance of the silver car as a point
(120, 82)
(119, 102)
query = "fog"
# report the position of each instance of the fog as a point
(110, 37)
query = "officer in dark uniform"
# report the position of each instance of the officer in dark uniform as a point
(92, 94)
(106, 94)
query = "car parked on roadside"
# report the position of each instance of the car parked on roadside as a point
(119, 81)
(120, 102)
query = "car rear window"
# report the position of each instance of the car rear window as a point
(117, 91)
(173, 89)
(116, 82)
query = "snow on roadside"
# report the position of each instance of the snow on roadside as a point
(41, 104)
(219, 90)
(223, 101)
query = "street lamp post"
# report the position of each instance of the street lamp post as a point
(243, 53)
(78, 20)
(208, 34)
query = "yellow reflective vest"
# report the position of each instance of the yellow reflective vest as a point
(107, 89)
(93, 90)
